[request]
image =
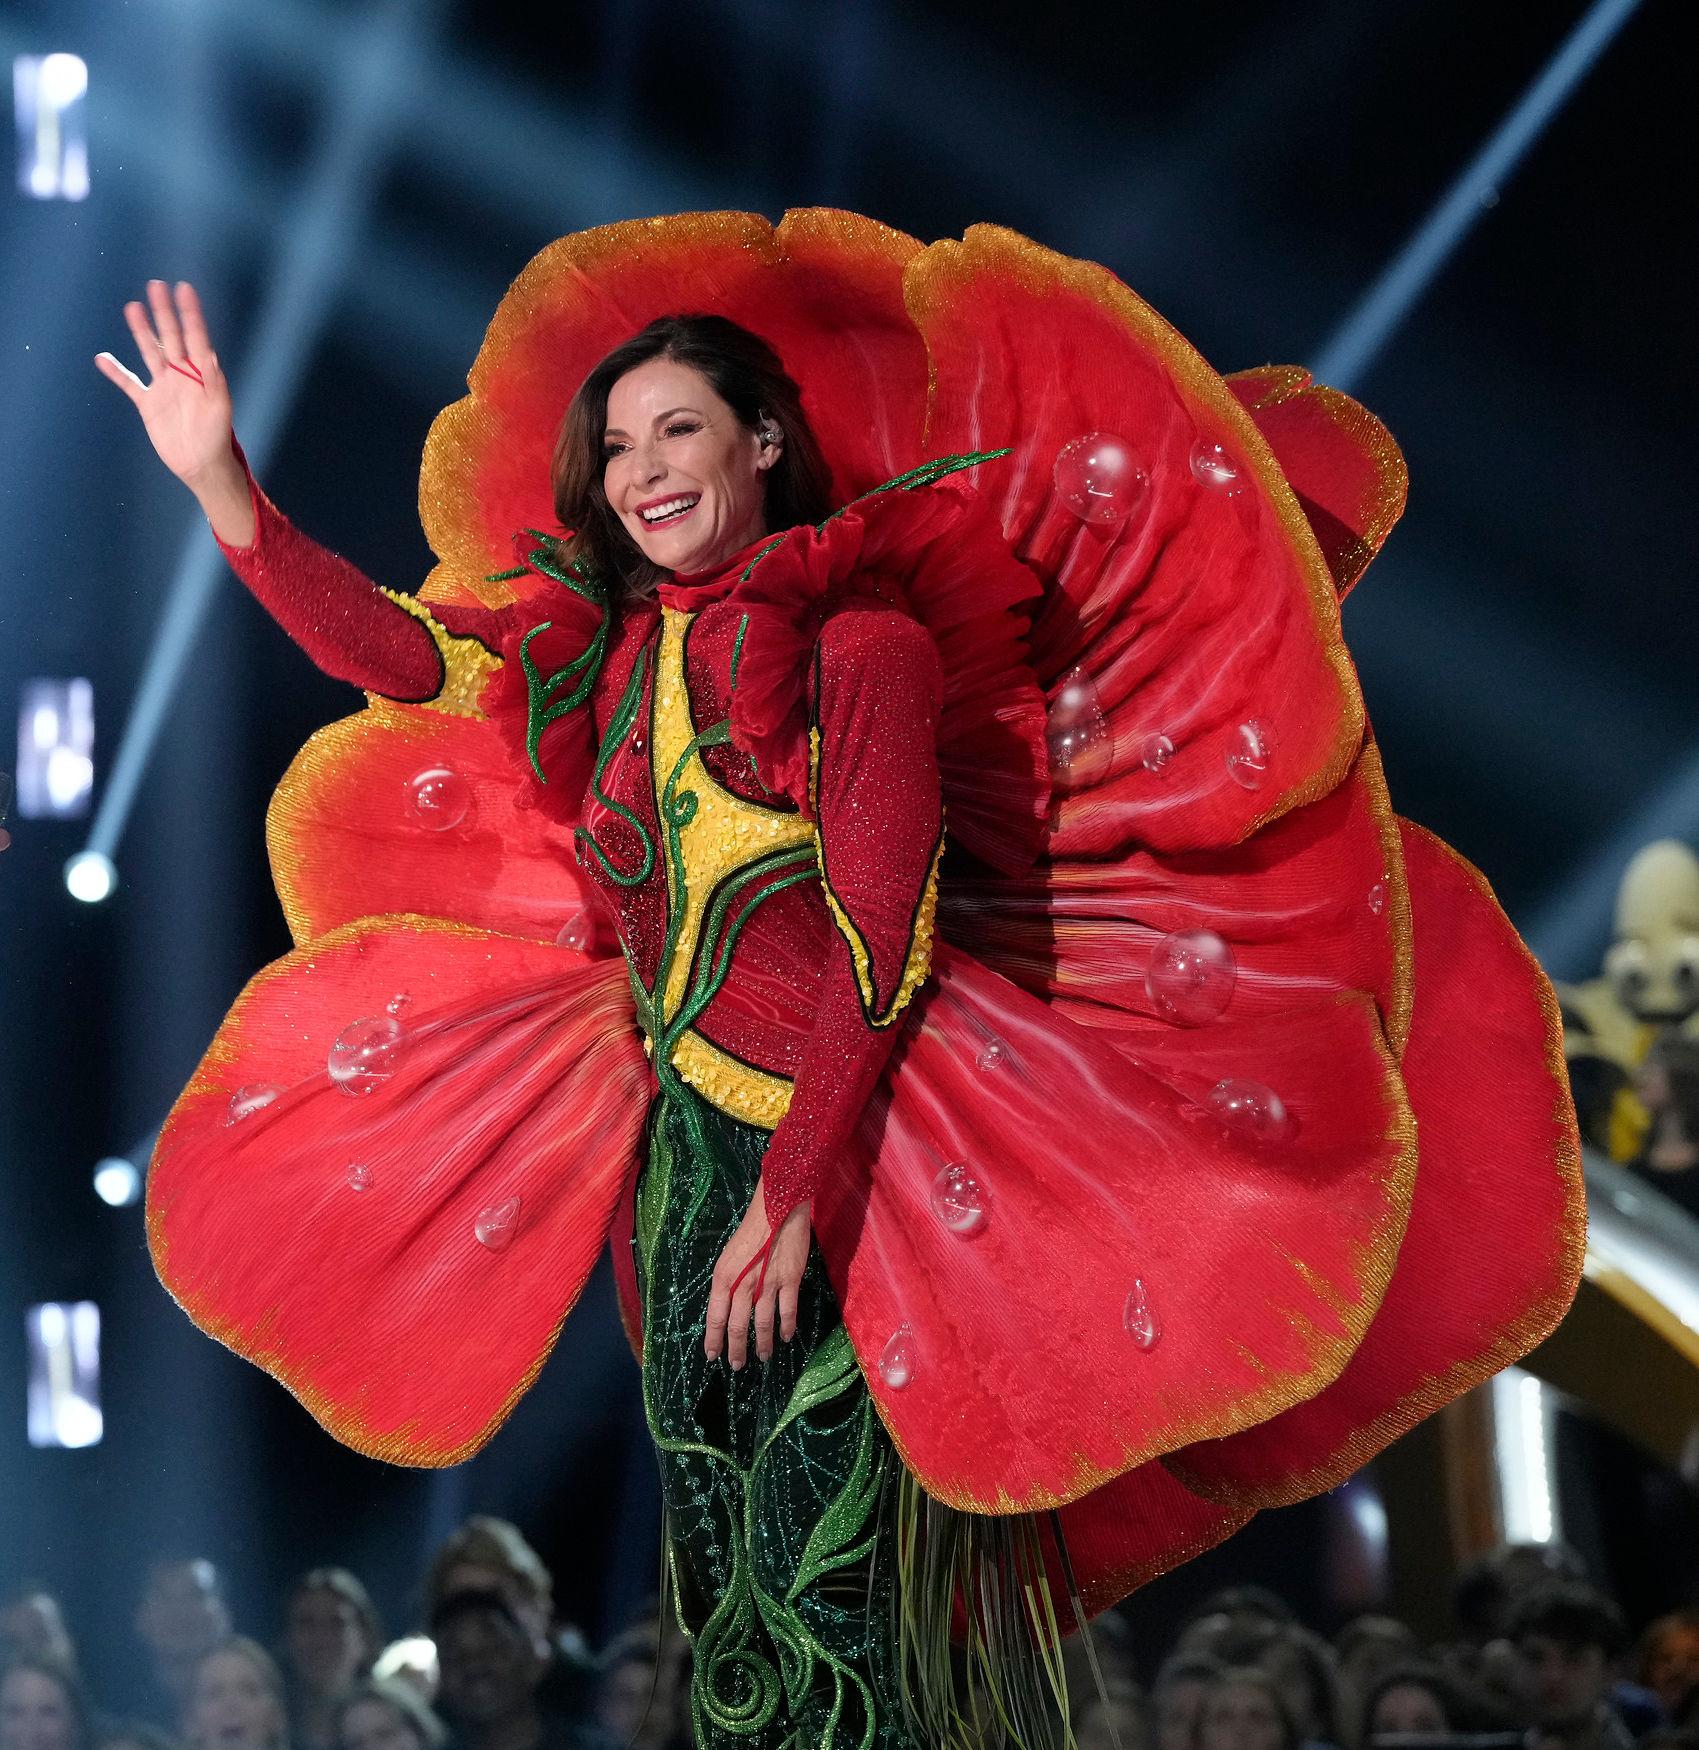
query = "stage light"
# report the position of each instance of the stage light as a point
(90, 877)
(117, 1182)
(1378, 313)
(64, 1373)
(48, 97)
(1523, 1458)
(55, 749)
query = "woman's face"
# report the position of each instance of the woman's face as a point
(1179, 1713)
(1672, 1664)
(686, 478)
(326, 1641)
(1240, 1716)
(231, 1706)
(1408, 1708)
(370, 1724)
(35, 1713)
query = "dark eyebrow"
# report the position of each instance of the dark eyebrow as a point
(614, 430)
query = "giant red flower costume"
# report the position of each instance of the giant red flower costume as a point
(1222, 1249)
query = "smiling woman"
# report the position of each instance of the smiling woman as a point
(999, 1221)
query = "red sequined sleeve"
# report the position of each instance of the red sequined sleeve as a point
(879, 814)
(353, 630)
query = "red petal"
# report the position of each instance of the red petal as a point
(378, 1307)
(1497, 1226)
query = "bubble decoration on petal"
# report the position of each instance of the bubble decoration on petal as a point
(1249, 755)
(576, 933)
(1190, 977)
(1251, 1110)
(1214, 467)
(1139, 1316)
(359, 1177)
(438, 798)
(896, 1359)
(496, 1225)
(1099, 479)
(398, 1004)
(1155, 751)
(993, 1056)
(366, 1054)
(251, 1099)
(1077, 733)
(959, 1200)
(1377, 898)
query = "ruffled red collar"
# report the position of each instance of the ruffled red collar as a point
(690, 590)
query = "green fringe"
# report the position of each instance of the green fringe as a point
(1006, 1684)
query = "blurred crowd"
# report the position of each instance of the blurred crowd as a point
(1538, 1659)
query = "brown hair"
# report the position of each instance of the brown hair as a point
(340, 1583)
(747, 375)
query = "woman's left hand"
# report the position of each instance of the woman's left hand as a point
(729, 1308)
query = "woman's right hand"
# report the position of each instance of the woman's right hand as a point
(185, 405)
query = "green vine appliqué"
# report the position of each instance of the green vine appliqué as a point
(551, 697)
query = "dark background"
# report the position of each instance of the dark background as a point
(1527, 641)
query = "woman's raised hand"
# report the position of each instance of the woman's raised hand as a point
(185, 404)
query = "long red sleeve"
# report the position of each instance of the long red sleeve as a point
(350, 627)
(879, 814)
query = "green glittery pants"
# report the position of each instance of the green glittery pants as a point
(779, 1480)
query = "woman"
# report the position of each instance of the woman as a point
(1246, 1710)
(386, 1714)
(331, 1635)
(236, 1700)
(41, 1706)
(1118, 663)
(1421, 1700)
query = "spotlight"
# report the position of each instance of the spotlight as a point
(117, 1182)
(55, 749)
(64, 1373)
(90, 876)
(49, 93)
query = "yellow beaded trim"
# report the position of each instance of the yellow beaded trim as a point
(466, 664)
(738, 1089)
(919, 960)
(724, 834)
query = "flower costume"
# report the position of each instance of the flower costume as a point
(1004, 869)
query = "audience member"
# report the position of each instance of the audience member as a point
(386, 1713)
(1667, 1661)
(181, 1618)
(132, 1735)
(1246, 1710)
(33, 1625)
(1422, 1700)
(639, 1703)
(1115, 1720)
(492, 1668)
(1177, 1700)
(1364, 1651)
(41, 1706)
(331, 1635)
(236, 1700)
(1301, 1665)
(1566, 1638)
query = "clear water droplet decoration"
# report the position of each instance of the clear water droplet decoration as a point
(496, 1225)
(1155, 751)
(896, 1359)
(1099, 479)
(438, 798)
(359, 1177)
(960, 1201)
(575, 933)
(246, 1101)
(1077, 733)
(1377, 898)
(1249, 754)
(1190, 977)
(366, 1054)
(993, 1055)
(1215, 468)
(398, 1004)
(1251, 1110)
(1139, 1317)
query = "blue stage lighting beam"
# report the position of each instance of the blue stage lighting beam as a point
(377, 68)
(1383, 307)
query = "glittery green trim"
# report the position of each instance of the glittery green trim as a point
(618, 725)
(542, 708)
